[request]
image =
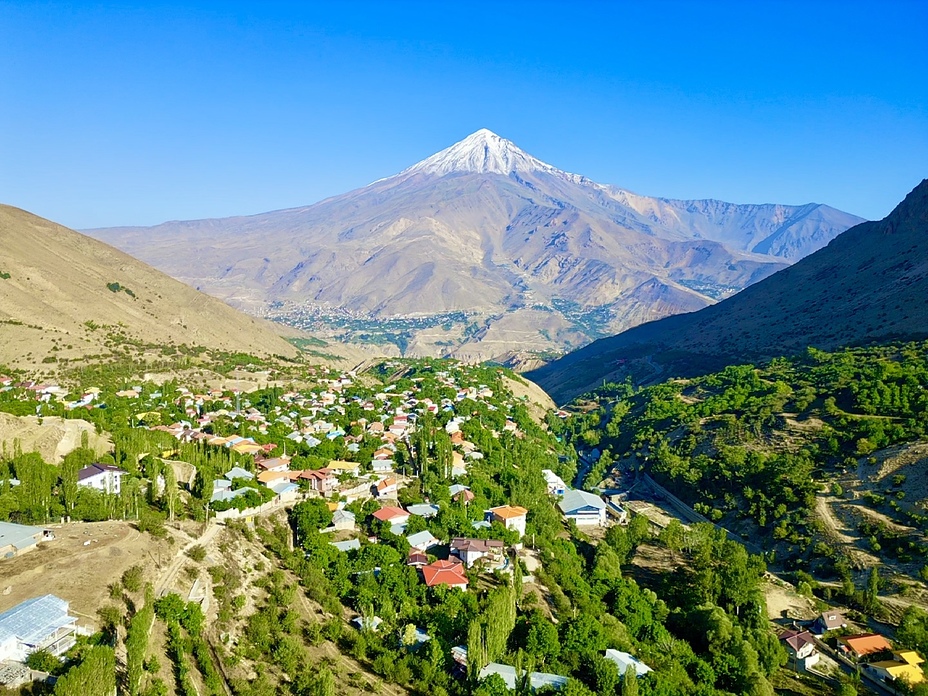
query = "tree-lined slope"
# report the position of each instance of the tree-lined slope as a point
(868, 285)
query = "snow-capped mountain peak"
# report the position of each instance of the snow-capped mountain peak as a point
(481, 153)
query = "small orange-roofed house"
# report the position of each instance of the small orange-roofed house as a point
(445, 573)
(863, 645)
(511, 516)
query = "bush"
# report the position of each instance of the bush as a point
(43, 661)
(132, 578)
(197, 553)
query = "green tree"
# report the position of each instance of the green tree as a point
(171, 493)
(94, 676)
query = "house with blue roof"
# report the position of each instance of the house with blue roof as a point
(40, 623)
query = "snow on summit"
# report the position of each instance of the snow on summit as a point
(482, 152)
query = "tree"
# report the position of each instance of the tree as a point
(94, 676)
(171, 494)
(309, 516)
(630, 682)
(43, 661)
(873, 588)
(673, 537)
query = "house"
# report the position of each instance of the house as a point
(237, 472)
(322, 481)
(800, 647)
(41, 623)
(382, 466)
(285, 490)
(422, 510)
(417, 559)
(537, 680)
(339, 467)
(422, 541)
(511, 516)
(276, 464)
(584, 509)
(222, 491)
(445, 573)
(343, 546)
(472, 550)
(103, 477)
(392, 514)
(624, 660)
(863, 645)
(413, 639)
(830, 620)
(554, 483)
(269, 478)
(385, 488)
(342, 520)
(903, 667)
(455, 489)
(615, 509)
(19, 538)
(370, 623)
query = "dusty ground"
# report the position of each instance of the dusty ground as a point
(53, 439)
(78, 571)
(539, 403)
(783, 602)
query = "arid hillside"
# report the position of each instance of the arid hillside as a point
(63, 294)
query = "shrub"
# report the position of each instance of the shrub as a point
(132, 578)
(197, 553)
(43, 661)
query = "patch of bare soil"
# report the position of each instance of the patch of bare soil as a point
(80, 564)
(839, 534)
(52, 437)
(783, 602)
(537, 400)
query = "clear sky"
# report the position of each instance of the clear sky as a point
(134, 113)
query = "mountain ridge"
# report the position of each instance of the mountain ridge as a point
(869, 284)
(485, 229)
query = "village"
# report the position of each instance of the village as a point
(431, 477)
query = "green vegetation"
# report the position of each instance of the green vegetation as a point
(4, 275)
(116, 287)
(754, 442)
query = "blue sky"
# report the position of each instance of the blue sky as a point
(125, 113)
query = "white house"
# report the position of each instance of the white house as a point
(422, 541)
(537, 680)
(800, 647)
(624, 660)
(41, 623)
(554, 483)
(511, 517)
(585, 509)
(103, 477)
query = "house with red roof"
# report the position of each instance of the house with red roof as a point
(862, 645)
(445, 573)
(392, 514)
(800, 647)
(472, 550)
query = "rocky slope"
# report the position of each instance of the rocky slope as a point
(525, 256)
(868, 285)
